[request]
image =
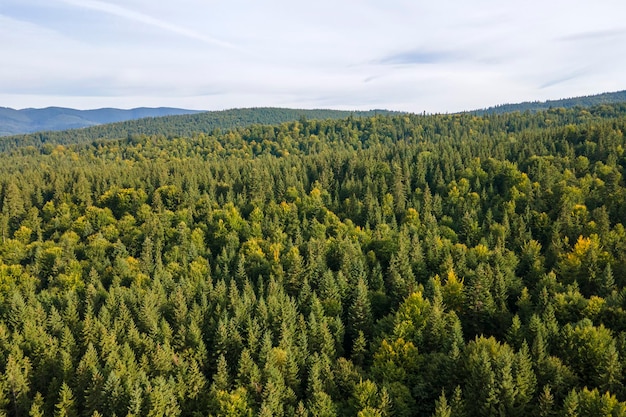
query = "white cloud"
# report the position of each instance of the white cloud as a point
(401, 54)
(137, 17)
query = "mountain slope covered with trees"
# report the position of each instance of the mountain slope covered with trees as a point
(534, 106)
(182, 124)
(396, 265)
(14, 122)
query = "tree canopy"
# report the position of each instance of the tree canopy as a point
(394, 265)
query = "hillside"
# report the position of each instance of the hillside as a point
(397, 265)
(534, 106)
(14, 122)
(183, 125)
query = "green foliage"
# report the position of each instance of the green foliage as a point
(395, 265)
(584, 101)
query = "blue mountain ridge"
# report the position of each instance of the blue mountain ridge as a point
(30, 120)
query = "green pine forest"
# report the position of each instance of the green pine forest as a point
(184, 125)
(395, 265)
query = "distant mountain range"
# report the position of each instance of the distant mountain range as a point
(58, 118)
(59, 125)
(182, 125)
(533, 106)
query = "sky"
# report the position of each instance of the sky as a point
(410, 55)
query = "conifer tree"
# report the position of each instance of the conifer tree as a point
(442, 409)
(546, 402)
(16, 376)
(570, 404)
(65, 406)
(37, 407)
(359, 312)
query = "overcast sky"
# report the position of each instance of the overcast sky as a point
(413, 55)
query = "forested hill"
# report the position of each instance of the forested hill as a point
(58, 118)
(184, 125)
(397, 265)
(534, 106)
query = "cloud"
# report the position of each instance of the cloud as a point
(561, 79)
(134, 16)
(416, 57)
(433, 56)
(595, 35)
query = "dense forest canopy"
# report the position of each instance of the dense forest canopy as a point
(395, 265)
(178, 125)
(534, 106)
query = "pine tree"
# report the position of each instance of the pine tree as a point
(360, 312)
(249, 375)
(457, 403)
(359, 349)
(16, 376)
(221, 379)
(610, 371)
(570, 404)
(607, 281)
(322, 405)
(13, 204)
(442, 409)
(136, 401)
(481, 389)
(162, 400)
(37, 407)
(94, 393)
(514, 335)
(65, 406)
(525, 380)
(546, 402)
